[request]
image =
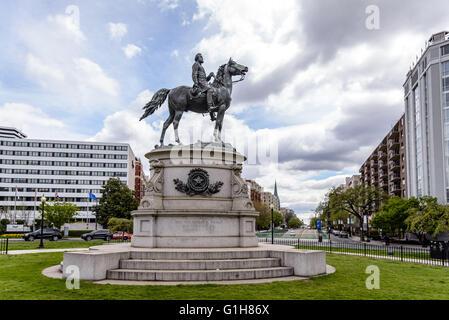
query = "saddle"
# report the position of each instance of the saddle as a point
(196, 95)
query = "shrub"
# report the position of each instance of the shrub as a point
(116, 224)
(78, 233)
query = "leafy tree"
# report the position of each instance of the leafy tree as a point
(117, 201)
(277, 218)
(313, 222)
(59, 213)
(393, 214)
(294, 223)
(288, 216)
(428, 216)
(359, 201)
(263, 221)
(3, 224)
(117, 224)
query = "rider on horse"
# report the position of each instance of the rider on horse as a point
(201, 83)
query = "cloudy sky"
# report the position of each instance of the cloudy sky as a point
(324, 86)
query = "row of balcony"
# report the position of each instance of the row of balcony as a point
(394, 133)
(393, 143)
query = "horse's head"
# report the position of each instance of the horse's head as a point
(236, 69)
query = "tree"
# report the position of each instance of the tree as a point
(263, 221)
(393, 214)
(117, 201)
(294, 223)
(428, 216)
(359, 201)
(59, 213)
(277, 218)
(289, 215)
(117, 224)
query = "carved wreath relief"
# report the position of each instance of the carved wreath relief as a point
(198, 184)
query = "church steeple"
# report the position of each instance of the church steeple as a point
(277, 195)
(276, 189)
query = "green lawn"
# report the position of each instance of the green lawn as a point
(21, 278)
(28, 245)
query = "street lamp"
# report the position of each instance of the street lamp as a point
(328, 224)
(272, 224)
(41, 245)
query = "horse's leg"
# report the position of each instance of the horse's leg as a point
(167, 124)
(178, 116)
(219, 123)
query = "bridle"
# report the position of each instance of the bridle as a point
(241, 78)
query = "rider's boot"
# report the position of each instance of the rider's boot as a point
(210, 101)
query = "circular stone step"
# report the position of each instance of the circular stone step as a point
(199, 275)
(199, 264)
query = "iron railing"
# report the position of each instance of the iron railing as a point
(4, 246)
(434, 255)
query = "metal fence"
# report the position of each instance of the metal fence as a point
(4, 246)
(434, 255)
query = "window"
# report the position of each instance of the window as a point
(445, 50)
(445, 68)
(445, 100)
(445, 84)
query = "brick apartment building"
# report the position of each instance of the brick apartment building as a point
(386, 167)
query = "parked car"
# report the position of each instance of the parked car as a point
(344, 234)
(119, 235)
(48, 233)
(105, 235)
(336, 233)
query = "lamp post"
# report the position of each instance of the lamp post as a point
(328, 224)
(41, 245)
(272, 224)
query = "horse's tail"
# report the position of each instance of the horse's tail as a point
(155, 103)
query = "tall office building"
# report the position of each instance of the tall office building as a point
(426, 93)
(61, 170)
(386, 167)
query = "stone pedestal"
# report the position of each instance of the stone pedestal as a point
(196, 198)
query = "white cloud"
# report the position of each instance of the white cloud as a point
(117, 30)
(68, 24)
(131, 51)
(42, 72)
(175, 53)
(93, 76)
(168, 4)
(56, 58)
(35, 123)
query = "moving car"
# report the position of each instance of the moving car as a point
(48, 233)
(105, 235)
(119, 235)
(344, 234)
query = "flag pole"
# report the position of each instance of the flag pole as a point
(15, 206)
(34, 212)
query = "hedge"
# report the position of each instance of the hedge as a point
(77, 233)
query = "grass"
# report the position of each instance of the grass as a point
(21, 278)
(27, 245)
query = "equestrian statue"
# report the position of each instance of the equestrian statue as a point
(203, 97)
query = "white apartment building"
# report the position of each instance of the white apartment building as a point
(61, 170)
(426, 92)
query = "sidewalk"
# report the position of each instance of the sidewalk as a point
(19, 252)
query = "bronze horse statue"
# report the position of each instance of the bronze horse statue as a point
(180, 100)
